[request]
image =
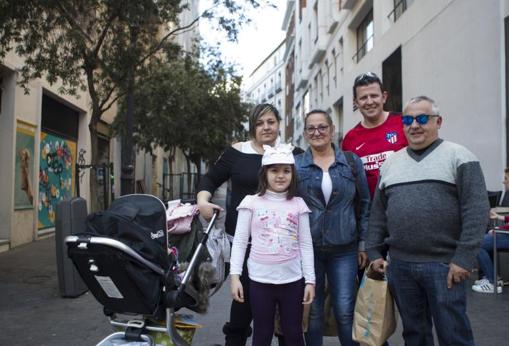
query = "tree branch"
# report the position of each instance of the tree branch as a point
(112, 102)
(70, 19)
(174, 32)
(102, 36)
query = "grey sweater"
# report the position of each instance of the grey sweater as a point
(431, 207)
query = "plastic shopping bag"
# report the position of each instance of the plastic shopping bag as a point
(374, 316)
(219, 250)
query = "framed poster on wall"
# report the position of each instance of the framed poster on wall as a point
(56, 175)
(24, 167)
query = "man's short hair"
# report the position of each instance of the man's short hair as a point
(417, 99)
(506, 170)
(364, 79)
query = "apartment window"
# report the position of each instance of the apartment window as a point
(316, 91)
(320, 81)
(327, 79)
(365, 35)
(310, 35)
(306, 107)
(315, 15)
(302, 4)
(400, 6)
(300, 54)
(335, 69)
(340, 53)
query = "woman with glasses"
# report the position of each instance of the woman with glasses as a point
(334, 186)
(240, 164)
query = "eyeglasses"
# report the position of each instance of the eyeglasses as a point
(422, 119)
(366, 77)
(321, 129)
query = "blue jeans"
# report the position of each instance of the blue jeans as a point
(421, 287)
(341, 271)
(486, 253)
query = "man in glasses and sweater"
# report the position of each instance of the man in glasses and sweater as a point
(379, 133)
(431, 209)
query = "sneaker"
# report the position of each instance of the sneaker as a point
(481, 281)
(484, 280)
(486, 287)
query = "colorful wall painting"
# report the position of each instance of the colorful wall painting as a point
(56, 176)
(24, 169)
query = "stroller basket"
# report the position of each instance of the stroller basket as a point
(133, 274)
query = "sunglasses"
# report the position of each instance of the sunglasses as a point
(368, 76)
(422, 119)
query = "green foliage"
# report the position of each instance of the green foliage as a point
(180, 103)
(102, 46)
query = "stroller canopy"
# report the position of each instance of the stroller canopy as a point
(139, 221)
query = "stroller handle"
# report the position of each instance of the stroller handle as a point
(203, 241)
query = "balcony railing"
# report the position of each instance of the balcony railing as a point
(364, 49)
(398, 10)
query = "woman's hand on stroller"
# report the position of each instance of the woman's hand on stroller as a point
(206, 208)
(236, 288)
(309, 293)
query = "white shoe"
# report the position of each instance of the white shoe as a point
(485, 280)
(481, 281)
(486, 287)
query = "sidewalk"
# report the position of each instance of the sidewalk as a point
(32, 311)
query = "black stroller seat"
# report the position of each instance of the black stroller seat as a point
(124, 260)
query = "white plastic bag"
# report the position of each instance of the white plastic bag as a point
(219, 250)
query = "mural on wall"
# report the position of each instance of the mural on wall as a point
(24, 174)
(56, 176)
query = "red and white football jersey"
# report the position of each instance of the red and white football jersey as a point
(374, 145)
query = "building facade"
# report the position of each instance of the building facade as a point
(454, 51)
(41, 136)
(266, 83)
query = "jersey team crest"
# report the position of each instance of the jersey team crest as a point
(391, 137)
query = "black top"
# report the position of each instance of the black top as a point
(242, 169)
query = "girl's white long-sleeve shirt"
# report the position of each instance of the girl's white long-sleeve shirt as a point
(281, 244)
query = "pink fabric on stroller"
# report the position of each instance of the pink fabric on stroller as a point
(180, 216)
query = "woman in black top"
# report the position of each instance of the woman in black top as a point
(240, 163)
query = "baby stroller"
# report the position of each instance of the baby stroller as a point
(124, 259)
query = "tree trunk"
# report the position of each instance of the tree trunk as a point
(127, 155)
(188, 173)
(94, 146)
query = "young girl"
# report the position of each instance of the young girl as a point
(280, 263)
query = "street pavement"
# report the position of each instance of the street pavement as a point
(33, 313)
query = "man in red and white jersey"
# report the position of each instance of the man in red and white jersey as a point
(379, 133)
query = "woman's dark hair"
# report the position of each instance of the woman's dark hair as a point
(257, 112)
(263, 183)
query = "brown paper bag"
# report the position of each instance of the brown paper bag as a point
(374, 318)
